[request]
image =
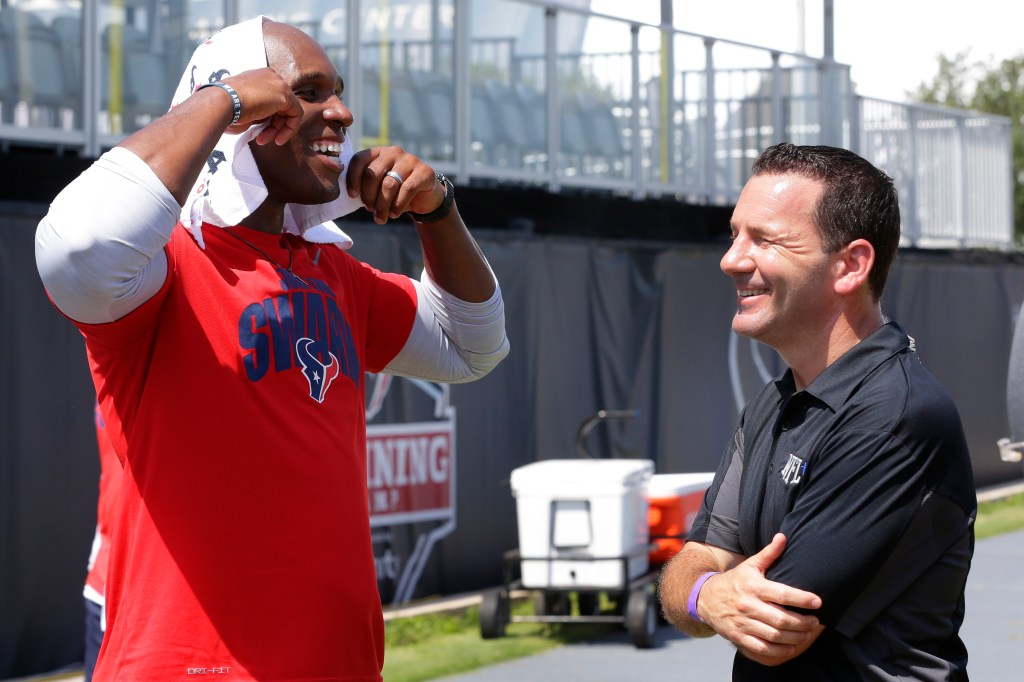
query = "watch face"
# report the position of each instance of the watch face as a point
(449, 191)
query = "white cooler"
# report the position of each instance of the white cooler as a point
(591, 509)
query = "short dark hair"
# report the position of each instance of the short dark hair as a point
(858, 200)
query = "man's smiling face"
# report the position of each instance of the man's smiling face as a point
(306, 169)
(783, 277)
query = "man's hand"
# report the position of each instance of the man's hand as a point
(177, 144)
(450, 254)
(382, 194)
(750, 611)
(266, 98)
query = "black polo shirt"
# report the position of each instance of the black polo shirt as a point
(867, 473)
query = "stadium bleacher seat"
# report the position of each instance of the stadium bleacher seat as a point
(483, 127)
(8, 81)
(575, 143)
(510, 122)
(68, 29)
(606, 147)
(436, 96)
(36, 61)
(407, 119)
(368, 111)
(146, 87)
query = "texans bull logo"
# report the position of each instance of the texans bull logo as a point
(319, 375)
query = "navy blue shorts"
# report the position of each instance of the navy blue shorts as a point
(93, 636)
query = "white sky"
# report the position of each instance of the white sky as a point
(891, 45)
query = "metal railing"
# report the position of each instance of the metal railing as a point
(523, 91)
(953, 170)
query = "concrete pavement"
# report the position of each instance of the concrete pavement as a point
(993, 631)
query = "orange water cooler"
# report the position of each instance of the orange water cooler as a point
(672, 504)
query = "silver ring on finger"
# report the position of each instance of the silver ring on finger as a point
(395, 176)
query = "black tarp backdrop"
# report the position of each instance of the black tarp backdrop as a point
(49, 467)
(593, 325)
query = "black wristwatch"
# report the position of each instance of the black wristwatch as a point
(444, 209)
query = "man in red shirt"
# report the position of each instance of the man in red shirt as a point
(228, 333)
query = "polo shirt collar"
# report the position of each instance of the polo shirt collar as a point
(839, 380)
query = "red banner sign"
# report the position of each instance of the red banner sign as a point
(410, 472)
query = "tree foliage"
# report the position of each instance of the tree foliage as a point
(990, 87)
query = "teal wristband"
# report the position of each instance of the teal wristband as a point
(236, 102)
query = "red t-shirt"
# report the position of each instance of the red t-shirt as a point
(235, 400)
(110, 483)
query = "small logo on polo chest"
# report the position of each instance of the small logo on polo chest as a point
(794, 470)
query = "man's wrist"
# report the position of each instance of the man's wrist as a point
(236, 102)
(691, 605)
(444, 208)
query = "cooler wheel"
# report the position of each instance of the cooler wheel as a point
(494, 614)
(642, 618)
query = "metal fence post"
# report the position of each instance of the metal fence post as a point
(914, 227)
(91, 83)
(668, 98)
(778, 108)
(1010, 177)
(461, 57)
(230, 12)
(710, 146)
(551, 69)
(963, 196)
(827, 98)
(638, 157)
(354, 78)
(855, 102)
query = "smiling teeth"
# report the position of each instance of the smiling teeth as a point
(327, 147)
(752, 292)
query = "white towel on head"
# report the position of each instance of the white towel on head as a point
(230, 188)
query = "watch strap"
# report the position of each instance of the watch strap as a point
(446, 205)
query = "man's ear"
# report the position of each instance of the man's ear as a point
(853, 266)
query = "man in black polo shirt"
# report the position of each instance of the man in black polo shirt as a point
(835, 541)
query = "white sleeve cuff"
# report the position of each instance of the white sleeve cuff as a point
(452, 340)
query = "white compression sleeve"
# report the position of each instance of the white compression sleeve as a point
(99, 250)
(452, 340)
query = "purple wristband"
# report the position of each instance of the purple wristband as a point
(691, 606)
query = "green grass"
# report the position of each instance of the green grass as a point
(1000, 516)
(437, 645)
